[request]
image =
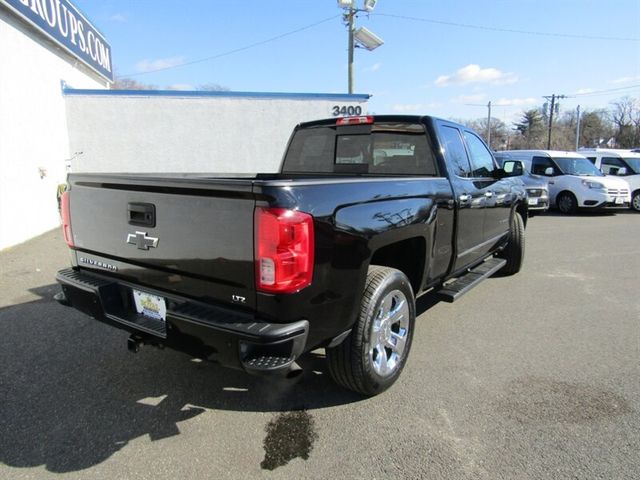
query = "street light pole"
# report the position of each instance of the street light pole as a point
(350, 15)
(363, 37)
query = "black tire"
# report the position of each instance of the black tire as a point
(353, 364)
(567, 203)
(513, 253)
(635, 201)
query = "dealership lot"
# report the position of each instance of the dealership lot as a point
(531, 376)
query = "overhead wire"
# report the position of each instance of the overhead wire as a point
(597, 93)
(235, 50)
(506, 30)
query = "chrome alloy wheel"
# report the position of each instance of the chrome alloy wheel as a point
(635, 202)
(389, 333)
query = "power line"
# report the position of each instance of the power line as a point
(235, 50)
(597, 93)
(507, 30)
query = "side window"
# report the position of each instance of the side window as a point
(402, 152)
(481, 158)
(540, 164)
(454, 151)
(610, 165)
(592, 159)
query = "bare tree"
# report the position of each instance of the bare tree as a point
(124, 83)
(499, 131)
(212, 87)
(623, 112)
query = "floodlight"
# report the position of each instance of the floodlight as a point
(370, 5)
(345, 3)
(367, 39)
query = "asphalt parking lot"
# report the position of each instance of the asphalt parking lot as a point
(529, 377)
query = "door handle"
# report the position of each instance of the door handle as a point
(465, 197)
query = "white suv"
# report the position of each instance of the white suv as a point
(620, 163)
(574, 182)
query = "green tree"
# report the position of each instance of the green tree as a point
(595, 128)
(529, 130)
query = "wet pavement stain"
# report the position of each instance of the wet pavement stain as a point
(289, 435)
(531, 400)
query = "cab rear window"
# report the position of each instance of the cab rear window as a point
(379, 149)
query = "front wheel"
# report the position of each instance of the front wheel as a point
(635, 201)
(513, 253)
(567, 203)
(372, 357)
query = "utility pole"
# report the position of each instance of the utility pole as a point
(578, 128)
(488, 105)
(489, 124)
(349, 17)
(553, 99)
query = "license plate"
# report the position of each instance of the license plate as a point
(149, 305)
(619, 200)
(533, 201)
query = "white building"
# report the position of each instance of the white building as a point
(178, 131)
(35, 58)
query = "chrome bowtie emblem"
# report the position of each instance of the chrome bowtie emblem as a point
(140, 240)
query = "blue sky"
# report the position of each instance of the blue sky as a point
(423, 67)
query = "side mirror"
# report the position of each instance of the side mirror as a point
(622, 171)
(512, 168)
(548, 171)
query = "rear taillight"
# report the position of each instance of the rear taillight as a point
(284, 245)
(66, 218)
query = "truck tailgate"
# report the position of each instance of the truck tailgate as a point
(177, 233)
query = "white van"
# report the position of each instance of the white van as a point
(621, 163)
(574, 182)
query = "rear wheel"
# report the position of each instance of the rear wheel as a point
(513, 253)
(635, 201)
(567, 203)
(372, 357)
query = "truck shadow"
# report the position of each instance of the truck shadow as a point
(72, 395)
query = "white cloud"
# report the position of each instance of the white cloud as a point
(582, 91)
(118, 17)
(626, 79)
(373, 68)
(147, 65)
(515, 102)
(474, 74)
(413, 107)
(181, 86)
(476, 97)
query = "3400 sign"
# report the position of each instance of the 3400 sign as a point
(344, 110)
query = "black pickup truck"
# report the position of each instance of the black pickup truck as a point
(253, 271)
